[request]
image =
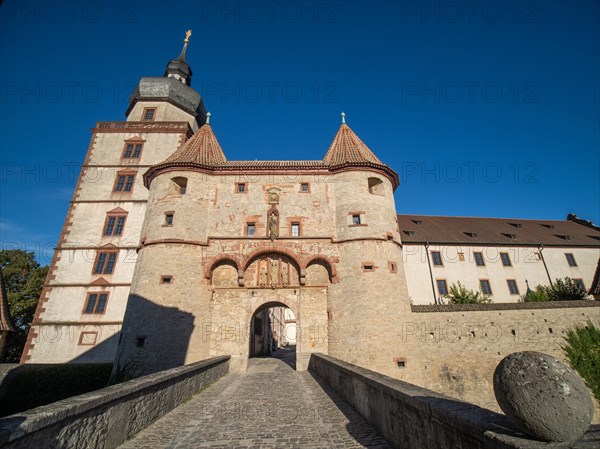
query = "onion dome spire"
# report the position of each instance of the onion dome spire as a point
(202, 148)
(178, 68)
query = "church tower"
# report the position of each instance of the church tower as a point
(81, 308)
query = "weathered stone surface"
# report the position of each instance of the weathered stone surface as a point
(543, 397)
(107, 417)
(270, 406)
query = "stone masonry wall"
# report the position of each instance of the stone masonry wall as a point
(411, 417)
(456, 351)
(105, 418)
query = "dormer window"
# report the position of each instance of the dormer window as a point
(516, 225)
(510, 236)
(549, 226)
(148, 114)
(417, 222)
(409, 233)
(473, 235)
(564, 237)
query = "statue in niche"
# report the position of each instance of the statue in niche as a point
(284, 273)
(274, 272)
(263, 280)
(273, 223)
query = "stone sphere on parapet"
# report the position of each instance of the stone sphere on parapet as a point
(543, 397)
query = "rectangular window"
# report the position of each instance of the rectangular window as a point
(571, 259)
(120, 225)
(88, 338)
(124, 183)
(505, 259)
(355, 219)
(129, 183)
(479, 261)
(114, 225)
(512, 286)
(148, 114)
(168, 219)
(250, 229)
(295, 229)
(166, 279)
(132, 151)
(96, 303)
(110, 225)
(484, 285)
(304, 187)
(368, 267)
(105, 262)
(436, 258)
(580, 284)
(442, 286)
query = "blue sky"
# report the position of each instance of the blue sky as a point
(483, 108)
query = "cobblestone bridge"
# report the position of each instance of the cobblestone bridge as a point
(269, 406)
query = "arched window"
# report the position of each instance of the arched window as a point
(375, 186)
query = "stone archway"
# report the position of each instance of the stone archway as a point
(267, 279)
(272, 332)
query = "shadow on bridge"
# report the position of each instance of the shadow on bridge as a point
(357, 424)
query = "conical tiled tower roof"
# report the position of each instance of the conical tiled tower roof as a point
(203, 148)
(348, 148)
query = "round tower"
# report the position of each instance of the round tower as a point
(169, 298)
(368, 303)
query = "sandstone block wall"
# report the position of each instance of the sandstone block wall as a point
(455, 349)
(412, 417)
(105, 418)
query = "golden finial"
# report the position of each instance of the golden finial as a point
(188, 33)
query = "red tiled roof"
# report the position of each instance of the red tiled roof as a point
(202, 151)
(274, 164)
(348, 148)
(202, 148)
(496, 231)
(5, 321)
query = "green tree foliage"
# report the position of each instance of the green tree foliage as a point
(583, 351)
(23, 278)
(459, 294)
(538, 294)
(566, 290)
(561, 290)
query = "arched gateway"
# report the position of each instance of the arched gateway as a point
(222, 239)
(271, 280)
